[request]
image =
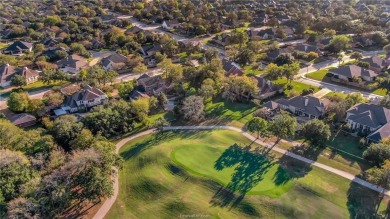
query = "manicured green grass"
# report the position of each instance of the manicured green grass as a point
(336, 94)
(318, 75)
(227, 111)
(380, 91)
(183, 173)
(297, 88)
(250, 70)
(188, 157)
(347, 143)
(3, 45)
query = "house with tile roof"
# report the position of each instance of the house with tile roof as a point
(84, 99)
(370, 119)
(18, 48)
(305, 106)
(73, 64)
(114, 61)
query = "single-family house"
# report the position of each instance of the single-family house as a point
(84, 99)
(151, 85)
(7, 72)
(265, 34)
(96, 43)
(133, 30)
(222, 39)
(30, 75)
(260, 18)
(114, 61)
(377, 64)
(52, 52)
(308, 48)
(49, 42)
(275, 53)
(232, 68)
(148, 52)
(18, 47)
(227, 25)
(170, 25)
(350, 72)
(267, 89)
(305, 106)
(369, 119)
(23, 120)
(73, 64)
(136, 94)
(362, 41)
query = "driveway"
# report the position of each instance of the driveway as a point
(322, 93)
(102, 212)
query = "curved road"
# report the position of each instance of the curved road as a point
(109, 202)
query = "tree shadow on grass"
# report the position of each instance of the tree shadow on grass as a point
(250, 167)
(362, 202)
(139, 147)
(290, 168)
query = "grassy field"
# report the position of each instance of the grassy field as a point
(184, 173)
(298, 87)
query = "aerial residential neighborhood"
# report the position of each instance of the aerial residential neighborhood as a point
(194, 109)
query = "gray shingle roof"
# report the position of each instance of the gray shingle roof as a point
(369, 114)
(376, 62)
(18, 46)
(378, 135)
(351, 71)
(308, 104)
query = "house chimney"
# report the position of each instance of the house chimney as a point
(6, 68)
(306, 101)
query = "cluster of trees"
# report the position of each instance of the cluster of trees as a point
(44, 176)
(285, 126)
(20, 102)
(287, 70)
(338, 106)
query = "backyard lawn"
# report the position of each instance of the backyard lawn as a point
(227, 111)
(250, 70)
(297, 87)
(195, 172)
